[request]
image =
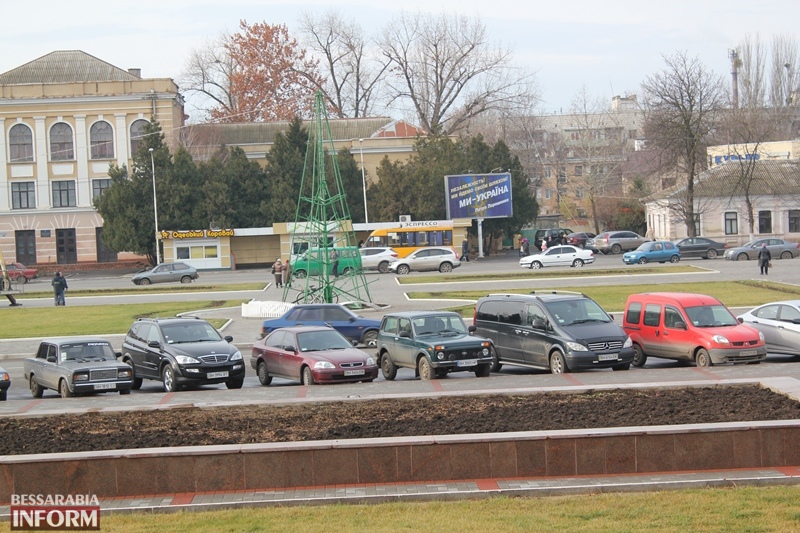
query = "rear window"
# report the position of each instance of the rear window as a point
(652, 315)
(634, 313)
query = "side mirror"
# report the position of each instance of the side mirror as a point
(679, 325)
(117, 354)
(354, 342)
(611, 317)
(472, 329)
(153, 344)
(51, 358)
(352, 319)
(228, 338)
(741, 320)
(796, 321)
(405, 334)
(290, 348)
(538, 323)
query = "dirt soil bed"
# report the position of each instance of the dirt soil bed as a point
(391, 418)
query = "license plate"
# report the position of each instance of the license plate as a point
(105, 386)
(748, 353)
(214, 375)
(359, 372)
(467, 362)
(607, 357)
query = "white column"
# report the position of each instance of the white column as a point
(81, 154)
(42, 175)
(121, 139)
(5, 200)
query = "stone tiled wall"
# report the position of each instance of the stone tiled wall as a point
(405, 459)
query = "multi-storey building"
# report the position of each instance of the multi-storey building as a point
(64, 118)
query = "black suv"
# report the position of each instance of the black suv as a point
(556, 235)
(181, 352)
(559, 330)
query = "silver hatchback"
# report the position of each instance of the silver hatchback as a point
(617, 242)
(442, 259)
(166, 272)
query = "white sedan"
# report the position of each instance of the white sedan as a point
(780, 324)
(558, 256)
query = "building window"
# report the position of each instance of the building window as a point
(548, 172)
(137, 134)
(99, 187)
(579, 170)
(61, 147)
(20, 142)
(64, 194)
(23, 195)
(794, 221)
(579, 192)
(548, 193)
(101, 138)
(731, 223)
(765, 222)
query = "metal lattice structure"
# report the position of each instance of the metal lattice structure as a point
(323, 224)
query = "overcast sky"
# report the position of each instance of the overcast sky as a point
(608, 46)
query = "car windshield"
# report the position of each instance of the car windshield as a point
(578, 311)
(192, 332)
(645, 247)
(439, 325)
(320, 341)
(707, 316)
(85, 351)
(752, 244)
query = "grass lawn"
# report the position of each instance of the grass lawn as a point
(151, 289)
(746, 509)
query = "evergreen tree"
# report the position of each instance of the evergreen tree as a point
(285, 162)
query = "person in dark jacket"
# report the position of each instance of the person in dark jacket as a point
(764, 257)
(464, 250)
(59, 284)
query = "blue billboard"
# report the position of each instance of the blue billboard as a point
(478, 196)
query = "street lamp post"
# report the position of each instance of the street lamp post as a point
(363, 178)
(155, 206)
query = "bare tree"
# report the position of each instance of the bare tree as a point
(353, 75)
(784, 72)
(447, 71)
(682, 105)
(752, 62)
(208, 75)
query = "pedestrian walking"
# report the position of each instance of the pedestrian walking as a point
(335, 259)
(59, 284)
(526, 247)
(277, 272)
(286, 272)
(764, 258)
(465, 250)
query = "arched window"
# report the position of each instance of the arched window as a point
(137, 133)
(101, 138)
(61, 147)
(20, 142)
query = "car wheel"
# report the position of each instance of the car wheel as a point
(674, 259)
(577, 263)
(388, 368)
(445, 267)
(643, 261)
(186, 279)
(307, 379)
(558, 365)
(234, 383)
(742, 257)
(124, 392)
(36, 390)
(168, 379)
(702, 358)
(403, 270)
(623, 366)
(63, 388)
(483, 371)
(370, 338)
(786, 255)
(137, 382)
(299, 274)
(711, 254)
(639, 357)
(22, 279)
(536, 265)
(263, 375)
(347, 271)
(383, 267)
(144, 281)
(426, 371)
(616, 249)
(496, 365)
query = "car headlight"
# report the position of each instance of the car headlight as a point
(237, 356)
(485, 352)
(628, 343)
(186, 360)
(761, 337)
(80, 377)
(720, 339)
(319, 365)
(124, 374)
(577, 347)
(440, 356)
(370, 361)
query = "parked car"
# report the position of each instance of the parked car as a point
(617, 242)
(555, 234)
(76, 365)
(312, 261)
(778, 249)
(377, 258)
(5, 383)
(166, 272)
(352, 326)
(558, 256)
(580, 239)
(701, 247)
(689, 327)
(443, 259)
(779, 322)
(433, 343)
(181, 352)
(20, 273)
(310, 354)
(653, 252)
(555, 330)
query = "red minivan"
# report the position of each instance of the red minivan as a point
(689, 327)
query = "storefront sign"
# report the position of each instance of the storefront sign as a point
(197, 234)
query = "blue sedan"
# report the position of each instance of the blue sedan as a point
(656, 251)
(339, 317)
